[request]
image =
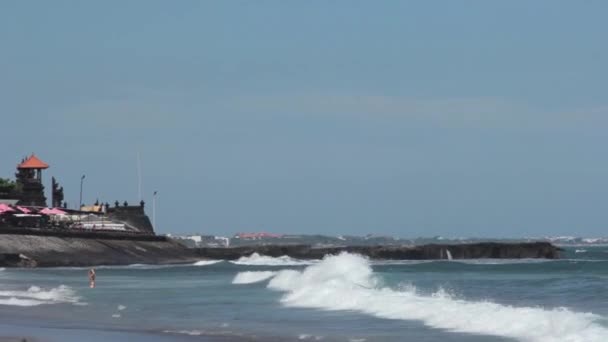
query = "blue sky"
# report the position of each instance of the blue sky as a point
(411, 118)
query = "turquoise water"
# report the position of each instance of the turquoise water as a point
(342, 298)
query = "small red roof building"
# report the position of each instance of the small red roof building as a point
(257, 236)
(33, 163)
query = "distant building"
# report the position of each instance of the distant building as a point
(257, 236)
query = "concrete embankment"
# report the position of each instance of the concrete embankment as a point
(87, 250)
(426, 252)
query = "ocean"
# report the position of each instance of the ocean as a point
(340, 298)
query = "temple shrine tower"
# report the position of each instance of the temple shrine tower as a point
(29, 181)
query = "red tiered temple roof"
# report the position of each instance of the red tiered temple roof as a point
(33, 163)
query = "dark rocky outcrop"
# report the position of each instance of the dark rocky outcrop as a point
(16, 260)
(463, 251)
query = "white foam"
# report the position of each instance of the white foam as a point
(206, 262)
(184, 332)
(121, 307)
(35, 295)
(580, 251)
(486, 261)
(256, 259)
(144, 266)
(226, 333)
(489, 261)
(112, 267)
(346, 282)
(14, 301)
(309, 337)
(400, 262)
(251, 277)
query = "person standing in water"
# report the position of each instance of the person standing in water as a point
(92, 277)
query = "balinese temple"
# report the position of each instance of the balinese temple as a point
(29, 181)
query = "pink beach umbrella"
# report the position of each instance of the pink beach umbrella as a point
(52, 211)
(5, 208)
(57, 211)
(24, 210)
(45, 211)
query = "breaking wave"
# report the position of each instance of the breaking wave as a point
(256, 259)
(251, 277)
(502, 261)
(37, 296)
(206, 262)
(220, 332)
(347, 282)
(138, 266)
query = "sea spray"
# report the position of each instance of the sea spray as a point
(206, 262)
(346, 282)
(256, 259)
(35, 295)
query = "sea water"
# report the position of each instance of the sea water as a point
(340, 298)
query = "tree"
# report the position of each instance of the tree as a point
(7, 186)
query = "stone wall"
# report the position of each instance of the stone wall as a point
(51, 251)
(133, 216)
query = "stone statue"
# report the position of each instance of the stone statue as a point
(56, 194)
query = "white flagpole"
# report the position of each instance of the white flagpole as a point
(139, 176)
(154, 210)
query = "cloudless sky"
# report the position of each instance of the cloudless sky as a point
(410, 118)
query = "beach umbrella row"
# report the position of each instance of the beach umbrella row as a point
(4, 208)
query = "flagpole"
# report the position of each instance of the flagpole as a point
(154, 210)
(81, 180)
(139, 176)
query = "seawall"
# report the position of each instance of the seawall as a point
(46, 250)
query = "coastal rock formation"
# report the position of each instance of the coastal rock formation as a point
(16, 260)
(40, 248)
(425, 252)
